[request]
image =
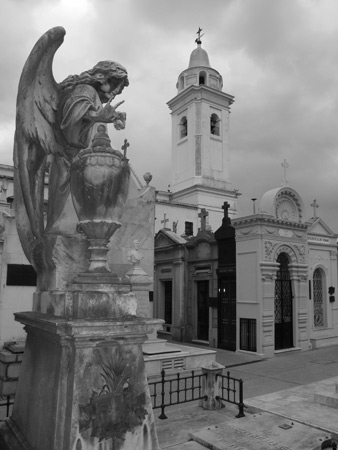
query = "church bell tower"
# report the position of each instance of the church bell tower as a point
(200, 137)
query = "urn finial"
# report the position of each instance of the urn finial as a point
(101, 138)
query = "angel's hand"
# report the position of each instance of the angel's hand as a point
(108, 113)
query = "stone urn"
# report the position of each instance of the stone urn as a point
(99, 187)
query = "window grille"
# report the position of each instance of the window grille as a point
(248, 335)
(318, 303)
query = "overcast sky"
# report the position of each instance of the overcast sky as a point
(279, 58)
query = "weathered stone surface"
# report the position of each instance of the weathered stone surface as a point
(87, 385)
(211, 385)
(89, 301)
(261, 431)
(82, 384)
(329, 397)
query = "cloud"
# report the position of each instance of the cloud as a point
(278, 58)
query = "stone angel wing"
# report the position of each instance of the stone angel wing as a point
(35, 137)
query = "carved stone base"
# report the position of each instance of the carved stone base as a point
(82, 386)
(88, 301)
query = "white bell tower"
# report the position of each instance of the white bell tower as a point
(200, 137)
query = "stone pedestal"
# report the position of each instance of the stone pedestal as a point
(141, 290)
(328, 398)
(211, 386)
(83, 384)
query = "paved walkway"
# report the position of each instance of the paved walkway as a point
(283, 385)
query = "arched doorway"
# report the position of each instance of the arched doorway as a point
(318, 299)
(283, 305)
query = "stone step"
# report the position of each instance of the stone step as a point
(262, 431)
(326, 399)
(191, 445)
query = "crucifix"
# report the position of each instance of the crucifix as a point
(164, 221)
(124, 148)
(285, 165)
(226, 207)
(226, 218)
(199, 35)
(315, 205)
(203, 215)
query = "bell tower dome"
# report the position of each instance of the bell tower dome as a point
(200, 136)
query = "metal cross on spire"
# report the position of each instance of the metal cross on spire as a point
(315, 205)
(285, 166)
(199, 35)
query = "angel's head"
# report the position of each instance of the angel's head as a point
(107, 77)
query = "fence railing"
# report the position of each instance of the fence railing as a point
(6, 402)
(174, 389)
(232, 392)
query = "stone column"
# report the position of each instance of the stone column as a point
(299, 277)
(268, 274)
(211, 386)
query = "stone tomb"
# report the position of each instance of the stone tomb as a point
(262, 431)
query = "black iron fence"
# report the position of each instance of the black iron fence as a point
(6, 403)
(174, 389)
(232, 392)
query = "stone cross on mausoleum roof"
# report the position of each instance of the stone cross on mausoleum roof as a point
(315, 205)
(285, 166)
(226, 218)
(164, 221)
(203, 215)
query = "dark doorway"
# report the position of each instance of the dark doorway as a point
(283, 305)
(168, 302)
(227, 314)
(203, 310)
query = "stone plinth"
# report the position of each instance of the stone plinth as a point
(211, 386)
(141, 290)
(87, 301)
(82, 386)
(328, 398)
(262, 431)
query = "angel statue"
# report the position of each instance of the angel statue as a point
(55, 121)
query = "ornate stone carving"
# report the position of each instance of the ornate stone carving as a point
(301, 252)
(270, 230)
(114, 409)
(286, 210)
(288, 205)
(288, 250)
(333, 254)
(136, 274)
(269, 249)
(54, 122)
